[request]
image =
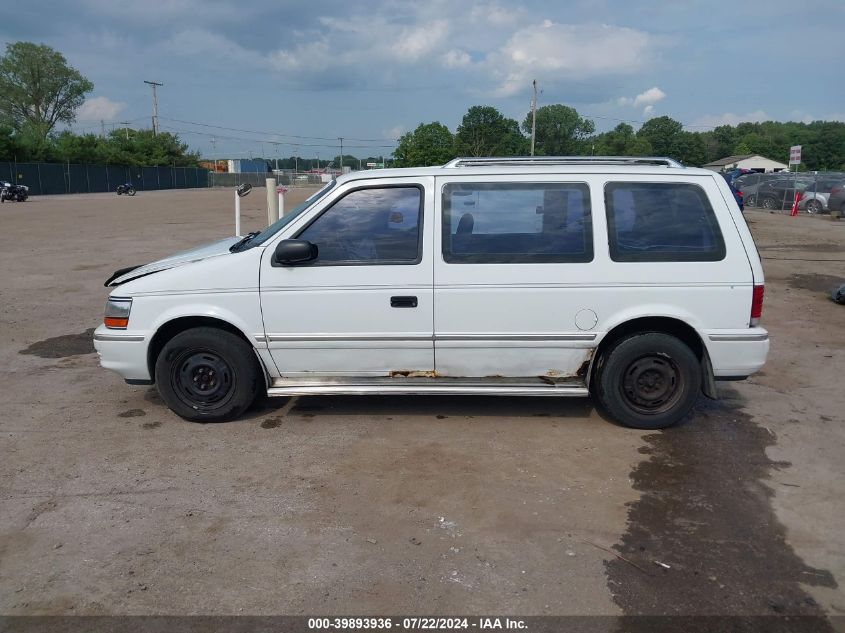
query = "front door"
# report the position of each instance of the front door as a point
(365, 306)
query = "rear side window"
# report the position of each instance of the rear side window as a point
(661, 222)
(516, 223)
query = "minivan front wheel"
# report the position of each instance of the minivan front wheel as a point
(648, 381)
(207, 375)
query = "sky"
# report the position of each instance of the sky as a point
(262, 79)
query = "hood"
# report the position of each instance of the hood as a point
(220, 247)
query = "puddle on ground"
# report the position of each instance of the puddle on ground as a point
(705, 511)
(816, 282)
(63, 346)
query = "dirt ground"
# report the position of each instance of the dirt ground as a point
(110, 504)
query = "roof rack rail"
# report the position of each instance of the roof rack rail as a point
(562, 160)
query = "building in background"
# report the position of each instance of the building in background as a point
(247, 166)
(753, 162)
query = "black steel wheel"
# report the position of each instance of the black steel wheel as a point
(649, 380)
(207, 375)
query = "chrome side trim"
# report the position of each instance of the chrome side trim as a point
(439, 390)
(278, 338)
(738, 337)
(119, 337)
(515, 337)
(260, 338)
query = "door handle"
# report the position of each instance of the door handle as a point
(403, 302)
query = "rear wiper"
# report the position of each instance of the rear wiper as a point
(243, 241)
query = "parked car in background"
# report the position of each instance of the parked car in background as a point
(736, 192)
(749, 183)
(8, 191)
(836, 200)
(779, 193)
(816, 195)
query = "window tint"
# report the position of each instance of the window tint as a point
(661, 222)
(369, 226)
(519, 223)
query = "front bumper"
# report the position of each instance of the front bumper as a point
(124, 352)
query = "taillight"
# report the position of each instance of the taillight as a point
(756, 305)
(739, 193)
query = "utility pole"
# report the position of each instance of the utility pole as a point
(533, 116)
(102, 128)
(214, 151)
(340, 138)
(125, 125)
(153, 84)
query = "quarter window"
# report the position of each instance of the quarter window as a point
(661, 222)
(516, 223)
(369, 226)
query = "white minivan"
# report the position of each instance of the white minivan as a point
(634, 280)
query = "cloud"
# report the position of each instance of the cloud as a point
(647, 99)
(394, 132)
(456, 58)
(729, 118)
(556, 52)
(99, 109)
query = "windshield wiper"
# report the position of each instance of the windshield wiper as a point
(243, 241)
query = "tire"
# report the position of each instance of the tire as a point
(119, 190)
(769, 203)
(648, 380)
(130, 191)
(814, 206)
(208, 375)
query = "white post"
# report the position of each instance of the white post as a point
(237, 214)
(272, 208)
(281, 203)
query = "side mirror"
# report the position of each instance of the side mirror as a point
(294, 252)
(244, 189)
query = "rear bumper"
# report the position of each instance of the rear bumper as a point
(735, 353)
(123, 352)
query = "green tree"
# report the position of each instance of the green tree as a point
(10, 146)
(660, 132)
(560, 131)
(38, 89)
(621, 141)
(485, 132)
(688, 147)
(429, 144)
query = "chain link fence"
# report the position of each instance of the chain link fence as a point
(58, 178)
(776, 191)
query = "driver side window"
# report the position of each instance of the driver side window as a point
(379, 225)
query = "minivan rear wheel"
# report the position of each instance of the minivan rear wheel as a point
(207, 375)
(648, 381)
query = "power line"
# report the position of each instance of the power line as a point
(254, 140)
(266, 133)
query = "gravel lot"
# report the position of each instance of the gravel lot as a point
(110, 504)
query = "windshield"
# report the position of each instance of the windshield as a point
(287, 218)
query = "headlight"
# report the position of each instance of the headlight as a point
(117, 313)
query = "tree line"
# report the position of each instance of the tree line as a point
(39, 91)
(561, 131)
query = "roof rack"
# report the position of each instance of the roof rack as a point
(562, 160)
